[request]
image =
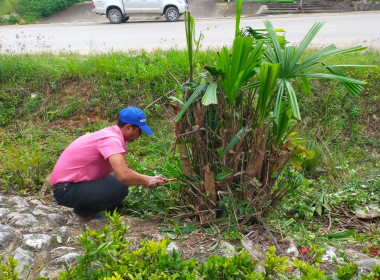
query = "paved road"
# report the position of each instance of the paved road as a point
(343, 29)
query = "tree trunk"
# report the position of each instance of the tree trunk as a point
(182, 149)
(210, 184)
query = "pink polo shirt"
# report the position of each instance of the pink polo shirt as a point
(85, 159)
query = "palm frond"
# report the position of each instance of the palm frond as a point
(293, 100)
(353, 88)
(190, 101)
(279, 96)
(338, 78)
(234, 141)
(274, 41)
(238, 16)
(305, 43)
(268, 80)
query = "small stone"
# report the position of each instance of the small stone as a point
(353, 255)
(37, 229)
(291, 246)
(24, 258)
(3, 212)
(171, 247)
(46, 209)
(6, 228)
(68, 258)
(5, 239)
(23, 210)
(39, 212)
(23, 220)
(3, 200)
(329, 255)
(56, 218)
(73, 222)
(35, 202)
(64, 232)
(36, 241)
(367, 265)
(60, 251)
(19, 202)
(227, 249)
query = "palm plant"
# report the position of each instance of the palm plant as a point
(235, 126)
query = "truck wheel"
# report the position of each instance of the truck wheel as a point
(172, 14)
(115, 16)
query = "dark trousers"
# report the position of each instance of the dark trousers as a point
(90, 197)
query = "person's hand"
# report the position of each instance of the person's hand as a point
(155, 181)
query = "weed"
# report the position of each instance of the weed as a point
(7, 268)
(347, 272)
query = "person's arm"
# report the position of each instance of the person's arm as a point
(132, 178)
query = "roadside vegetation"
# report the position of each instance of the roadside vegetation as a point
(321, 144)
(23, 12)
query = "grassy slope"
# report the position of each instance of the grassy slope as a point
(47, 101)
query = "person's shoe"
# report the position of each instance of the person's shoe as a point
(99, 216)
(82, 217)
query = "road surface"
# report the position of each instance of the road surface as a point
(341, 29)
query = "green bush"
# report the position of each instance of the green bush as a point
(33, 10)
(7, 269)
(107, 256)
(12, 19)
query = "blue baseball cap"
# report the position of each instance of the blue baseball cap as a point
(135, 116)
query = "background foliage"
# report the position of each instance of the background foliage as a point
(17, 11)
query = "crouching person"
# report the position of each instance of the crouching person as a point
(91, 175)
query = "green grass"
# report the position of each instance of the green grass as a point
(72, 95)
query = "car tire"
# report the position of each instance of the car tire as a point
(115, 16)
(125, 19)
(172, 14)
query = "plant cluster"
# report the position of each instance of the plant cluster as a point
(235, 121)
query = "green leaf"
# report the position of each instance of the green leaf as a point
(176, 100)
(239, 3)
(353, 88)
(189, 102)
(234, 140)
(189, 28)
(274, 40)
(238, 67)
(165, 229)
(210, 96)
(293, 100)
(222, 176)
(251, 85)
(279, 96)
(306, 85)
(268, 80)
(305, 43)
(59, 239)
(340, 235)
(337, 78)
(171, 235)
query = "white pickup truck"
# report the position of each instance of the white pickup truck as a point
(119, 10)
